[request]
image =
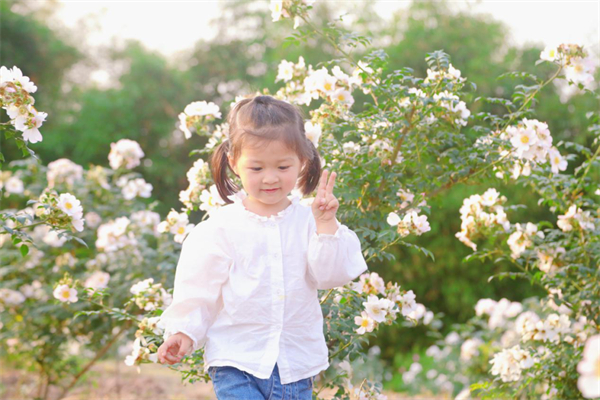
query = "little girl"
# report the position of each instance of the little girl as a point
(247, 278)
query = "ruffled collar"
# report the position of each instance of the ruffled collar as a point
(238, 198)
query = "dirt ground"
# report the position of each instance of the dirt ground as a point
(113, 380)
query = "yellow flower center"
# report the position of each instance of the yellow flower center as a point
(68, 206)
(364, 323)
(66, 294)
(327, 86)
(181, 230)
(552, 53)
(556, 160)
(341, 97)
(524, 139)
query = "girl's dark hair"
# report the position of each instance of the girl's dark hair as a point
(259, 121)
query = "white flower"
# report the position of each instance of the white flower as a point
(125, 153)
(29, 124)
(183, 125)
(351, 147)
(113, 235)
(580, 70)
(5, 75)
(136, 188)
(589, 369)
(470, 348)
(65, 293)
(485, 306)
(356, 79)
(339, 74)
(202, 108)
(313, 132)
(181, 231)
(11, 297)
(70, 205)
(523, 139)
(393, 219)
(17, 76)
(557, 162)
(327, 83)
(490, 197)
(375, 281)
(525, 324)
(97, 280)
(157, 325)
(141, 286)
(464, 394)
(77, 223)
(564, 221)
(420, 222)
(146, 219)
(365, 323)
(377, 308)
(93, 219)
(276, 7)
(211, 200)
(131, 359)
(453, 71)
(550, 53)
(343, 96)
(285, 71)
(510, 362)
(13, 185)
(63, 170)
(408, 303)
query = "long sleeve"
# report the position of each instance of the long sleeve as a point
(334, 260)
(202, 269)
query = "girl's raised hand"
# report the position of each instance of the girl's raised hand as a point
(325, 204)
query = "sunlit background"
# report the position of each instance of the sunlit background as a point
(173, 27)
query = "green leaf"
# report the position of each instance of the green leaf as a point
(80, 241)
(24, 250)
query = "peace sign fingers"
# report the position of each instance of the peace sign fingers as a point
(325, 204)
(330, 183)
(323, 183)
(325, 190)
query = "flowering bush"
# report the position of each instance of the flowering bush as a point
(541, 348)
(47, 279)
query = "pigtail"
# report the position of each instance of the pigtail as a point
(218, 168)
(311, 173)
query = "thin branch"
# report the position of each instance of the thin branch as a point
(94, 360)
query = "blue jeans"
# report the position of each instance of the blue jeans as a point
(230, 383)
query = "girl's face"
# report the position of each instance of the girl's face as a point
(268, 174)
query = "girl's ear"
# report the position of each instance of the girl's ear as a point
(232, 165)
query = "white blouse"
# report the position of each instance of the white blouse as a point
(246, 288)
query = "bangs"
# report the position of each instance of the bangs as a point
(289, 134)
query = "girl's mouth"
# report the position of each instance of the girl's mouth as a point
(270, 190)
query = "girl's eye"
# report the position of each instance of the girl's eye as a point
(256, 169)
(283, 168)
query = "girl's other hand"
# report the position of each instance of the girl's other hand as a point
(174, 348)
(325, 204)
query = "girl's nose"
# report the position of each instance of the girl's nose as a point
(270, 179)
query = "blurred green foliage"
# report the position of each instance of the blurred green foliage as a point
(144, 101)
